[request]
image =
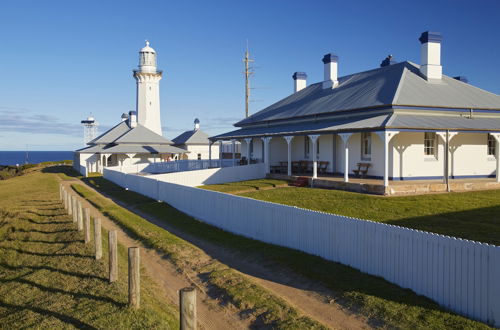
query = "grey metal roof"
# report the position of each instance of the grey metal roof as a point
(90, 150)
(311, 127)
(192, 137)
(111, 134)
(141, 134)
(449, 93)
(379, 122)
(397, 84)
(407, 121)
(153, 149)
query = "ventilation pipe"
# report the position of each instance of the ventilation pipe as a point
(299, 81)
(430, 59)
(196, 124)
(331, 71)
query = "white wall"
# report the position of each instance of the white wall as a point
(214, 175)
(194, 150)
(458, 274)
(469, 156)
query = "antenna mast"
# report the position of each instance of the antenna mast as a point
(248, 72)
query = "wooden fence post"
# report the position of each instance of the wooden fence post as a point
(60, 192)
(79, 219)
(66, 200)
(97, 238)
(113, 256)
(134, 278)
(86, 226)
(75, 209)
(70, 201)
(187, 307)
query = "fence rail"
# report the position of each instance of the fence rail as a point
(461, 275)
(176, 166)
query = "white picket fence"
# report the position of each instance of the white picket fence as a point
(461, 275)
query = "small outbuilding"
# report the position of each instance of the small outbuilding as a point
(196, 143)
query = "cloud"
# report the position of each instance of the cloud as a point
(25, 121)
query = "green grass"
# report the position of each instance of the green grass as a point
(377, 299)
(228, 283)
(469, 215)
(232, 187)
(48, 276)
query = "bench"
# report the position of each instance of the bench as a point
(362, 169)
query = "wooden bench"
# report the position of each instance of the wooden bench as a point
(362, 170)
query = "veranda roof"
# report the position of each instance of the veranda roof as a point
(389, 121)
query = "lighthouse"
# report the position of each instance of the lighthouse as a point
(148, 90)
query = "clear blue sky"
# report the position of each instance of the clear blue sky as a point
(61, 60)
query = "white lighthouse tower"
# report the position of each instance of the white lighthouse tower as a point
(148, 90)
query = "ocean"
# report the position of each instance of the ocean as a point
(33, 157)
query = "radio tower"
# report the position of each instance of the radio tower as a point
(248, 72)
(89, 129)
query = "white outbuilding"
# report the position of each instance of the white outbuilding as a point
(197, 143)
(400, 121)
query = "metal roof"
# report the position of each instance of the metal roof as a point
(141, 134)
(192, 137)
(111, 134)
(379, 122)
(397, 84)
(152, 149)
(311, 127)
(444, 122)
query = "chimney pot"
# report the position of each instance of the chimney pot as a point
(132, 119)
(330, 71)
(299, 81)
(430, 65)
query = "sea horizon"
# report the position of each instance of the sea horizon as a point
(13, 157)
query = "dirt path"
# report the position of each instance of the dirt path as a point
(169, 280)
(310, 298)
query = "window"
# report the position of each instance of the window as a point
(430, 144)
(251, 148)
(306, 146)
(491, 145)
(199, 156)
(317, 148)
(366, 145)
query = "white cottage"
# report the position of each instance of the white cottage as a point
(401, 121)
(137, 140)
(196, 142)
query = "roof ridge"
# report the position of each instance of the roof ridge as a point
(400, 84)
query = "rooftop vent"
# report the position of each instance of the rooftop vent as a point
(389, 60)
(196, 124)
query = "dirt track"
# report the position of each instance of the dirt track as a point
(310, 298)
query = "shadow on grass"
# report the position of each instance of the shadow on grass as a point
(47, 214)
(61, 291)
(42, 241)
(46, 232)
(47, 222)
(39, 254)
(52, 269)
(64, 169)
(45, 312)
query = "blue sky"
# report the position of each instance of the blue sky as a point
(61, 60)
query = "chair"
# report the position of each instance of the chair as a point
(323, 166)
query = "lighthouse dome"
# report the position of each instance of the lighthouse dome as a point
(147, 49)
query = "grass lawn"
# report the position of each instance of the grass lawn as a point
(470, 215)
(232, 187)
(49, 278)
(382, 302)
